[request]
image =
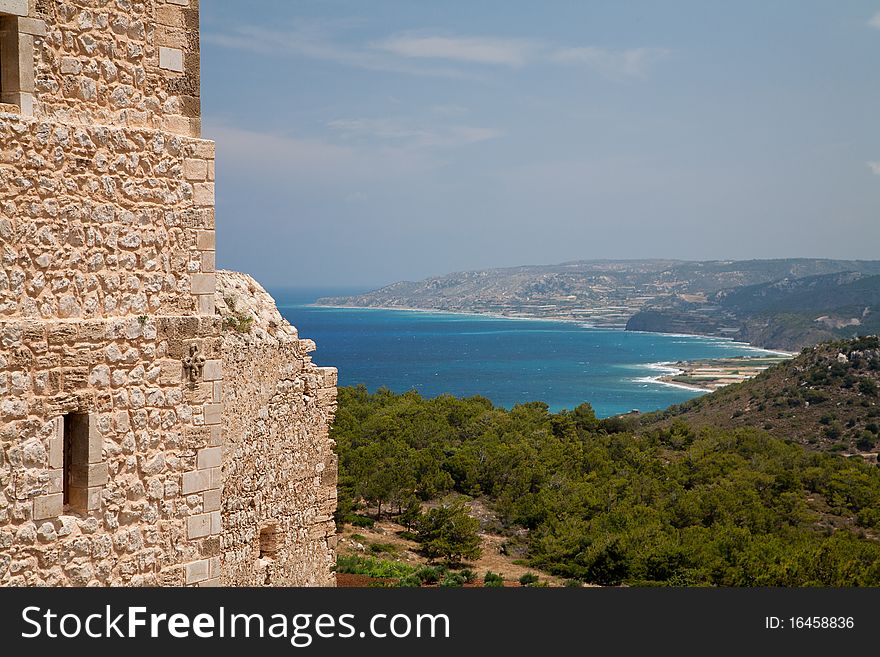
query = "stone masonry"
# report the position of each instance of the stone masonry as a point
(154, 429)
(280, 490)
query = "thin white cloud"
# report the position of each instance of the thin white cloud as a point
(475, 50)
(874, 167)
(433, 55)
(306, 41)
(632, 62)
(874, 21)
(413, 136)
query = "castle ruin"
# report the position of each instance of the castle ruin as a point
(160, 423)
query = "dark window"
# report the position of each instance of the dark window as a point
(10, 85)
(268, 541)
(76, 459)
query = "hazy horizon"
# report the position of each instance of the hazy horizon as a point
(360, 146)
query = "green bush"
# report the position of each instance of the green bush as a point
(430, 574)
(492, 579)
(410, 581)
(468, 574)
(360, 521)
(372, 567)
(528, 579)
(453, 580)
(866, 441)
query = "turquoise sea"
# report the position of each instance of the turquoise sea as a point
(507, 360)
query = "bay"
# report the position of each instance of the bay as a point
(509, 361)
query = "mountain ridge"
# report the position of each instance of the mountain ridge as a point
(714, 297)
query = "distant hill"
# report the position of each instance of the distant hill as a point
(787, 314)
(783, 303)
(827, 398)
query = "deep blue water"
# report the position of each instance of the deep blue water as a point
(507, 360)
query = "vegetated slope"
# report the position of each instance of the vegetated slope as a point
(826, 398)
(787, 314)
(589, 499)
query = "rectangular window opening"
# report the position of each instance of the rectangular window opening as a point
(268, 541)
(9, 60)
(75, 462)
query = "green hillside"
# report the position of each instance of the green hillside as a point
(700, 496)
(826, 398)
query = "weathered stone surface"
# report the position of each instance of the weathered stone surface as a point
(106, 281)
(287, 437)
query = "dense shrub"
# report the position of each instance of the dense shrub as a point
(492, 579)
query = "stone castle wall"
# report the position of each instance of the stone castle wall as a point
(104, 222)
(142, 520)
(130, 63)
(107, 296)
(280, 490)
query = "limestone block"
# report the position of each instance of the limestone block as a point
(48, 506)
(173, 37)
(195, 169)
(203, 283)
(216, 522)
(196, 571)
(204, 149)
(86, 476)
(14, 7)
(56, 443)
(171, 59)
(213, 413)
(33, 26)
(208, 261)
(199, 525)
(196, 481)
(209, 457)
(206, 304)
(213, 370)
(56, 481)
(169, 15)
(203, 193)
(211, 500)
(205, 240)
(26, 63)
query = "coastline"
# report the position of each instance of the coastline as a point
(668, 369)
(712, 374)
(466, 313)
(567, 320)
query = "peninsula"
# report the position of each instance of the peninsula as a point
(783, 304)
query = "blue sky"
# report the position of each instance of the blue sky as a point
(359, 143)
